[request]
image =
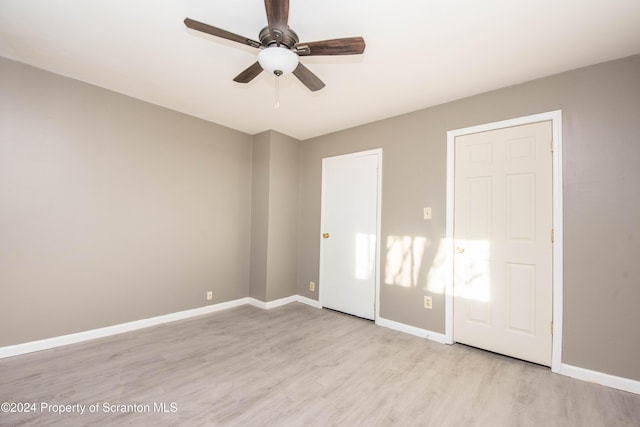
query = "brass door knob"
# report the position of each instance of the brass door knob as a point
(460, 250)
(325, 235)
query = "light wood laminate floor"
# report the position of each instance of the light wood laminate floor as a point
(297, 366)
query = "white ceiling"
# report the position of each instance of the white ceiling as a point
(419, 53)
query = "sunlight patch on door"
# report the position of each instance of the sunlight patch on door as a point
(365, 255)
(473, 270)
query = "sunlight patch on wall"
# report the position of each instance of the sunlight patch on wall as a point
(404, 259)
(437, 275)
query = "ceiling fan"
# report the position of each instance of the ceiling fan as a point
(280, 47)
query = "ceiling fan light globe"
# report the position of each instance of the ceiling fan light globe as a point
(278, 60)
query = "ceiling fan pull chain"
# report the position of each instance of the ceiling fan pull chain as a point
(277, 100)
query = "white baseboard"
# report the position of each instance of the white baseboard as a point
(419, 332)
(48, 343)
(272, 304)
(308, 301)
(620, 383)
(283, 301)
(625, 384)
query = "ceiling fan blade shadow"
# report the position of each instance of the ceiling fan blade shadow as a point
(307, 78)
(344, 46)
(219, 32)
(249, 74)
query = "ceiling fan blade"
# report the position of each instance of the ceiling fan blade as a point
(345, 46)
(277, 17)
(307, 78)
(219, 32)
(249, 74)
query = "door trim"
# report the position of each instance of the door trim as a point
(556, 123)
(378, 153)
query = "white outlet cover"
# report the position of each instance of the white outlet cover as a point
(428, 303)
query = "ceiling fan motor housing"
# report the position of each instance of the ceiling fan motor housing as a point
(276, 37)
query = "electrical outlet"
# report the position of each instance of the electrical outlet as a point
(428, 302)
(312, 286)
(209, 295)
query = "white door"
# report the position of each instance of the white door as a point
(349, 227)
(503, 241)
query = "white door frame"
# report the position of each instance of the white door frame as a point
(378, 153)
(556, 122)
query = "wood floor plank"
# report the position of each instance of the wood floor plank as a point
(298, 366)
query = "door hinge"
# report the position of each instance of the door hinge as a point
(552, 327)
(552, 145)
(553, 235)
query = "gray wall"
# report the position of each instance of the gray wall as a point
(274, 217)
(283, 216)
(260, 215)
(601, 135)
(111, 209)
